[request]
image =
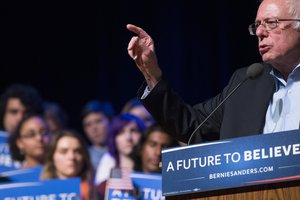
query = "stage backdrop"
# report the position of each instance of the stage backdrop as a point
(76, 51)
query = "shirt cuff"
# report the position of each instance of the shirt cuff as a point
(146, 92)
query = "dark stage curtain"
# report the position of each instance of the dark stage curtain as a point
(75, 51)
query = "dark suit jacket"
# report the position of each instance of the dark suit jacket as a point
(241, 115)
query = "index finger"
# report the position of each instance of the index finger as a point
(139, 31)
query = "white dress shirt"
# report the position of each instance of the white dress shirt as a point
(283, 113)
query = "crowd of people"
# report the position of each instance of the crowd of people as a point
(39, 136)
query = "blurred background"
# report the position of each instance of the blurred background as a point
(73, 52)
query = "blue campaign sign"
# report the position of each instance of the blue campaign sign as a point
(236, 162)
(21, 175)
(149, 186)
(6, 162)
(3, 136)
(55, 189)
(116, 194)
(146, 187)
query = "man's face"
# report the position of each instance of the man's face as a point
(14, 113)
(280, 46)
(151, 152)
(95, 126)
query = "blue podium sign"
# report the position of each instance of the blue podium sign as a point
(230, 163)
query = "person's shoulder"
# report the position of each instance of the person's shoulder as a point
(266, 67)
(241, 73)
(97, 151)
(107, 157)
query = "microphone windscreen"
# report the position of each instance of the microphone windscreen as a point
(254, 71)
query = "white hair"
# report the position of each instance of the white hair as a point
(294, 11)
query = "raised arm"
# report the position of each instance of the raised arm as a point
(141, 50)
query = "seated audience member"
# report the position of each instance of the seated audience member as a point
(68, 157)
(135, 107)
(147, 154)
(28, 144)
(56, 117)
(96, 118)
(17, 101)
(126, 132)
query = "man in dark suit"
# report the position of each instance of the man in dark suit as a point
(266, 104)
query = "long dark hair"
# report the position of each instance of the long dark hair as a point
(117, 124)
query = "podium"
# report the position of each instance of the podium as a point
(260, 167)
(274, 191)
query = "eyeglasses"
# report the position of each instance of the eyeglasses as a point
(30, 135)
(269, 24)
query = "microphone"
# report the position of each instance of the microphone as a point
(253, 72)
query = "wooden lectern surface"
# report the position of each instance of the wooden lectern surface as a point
(274, 191)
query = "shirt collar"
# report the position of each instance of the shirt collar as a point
(279, 80)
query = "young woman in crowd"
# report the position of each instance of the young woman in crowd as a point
(68, 157)
(28, 144)
(126, 132)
